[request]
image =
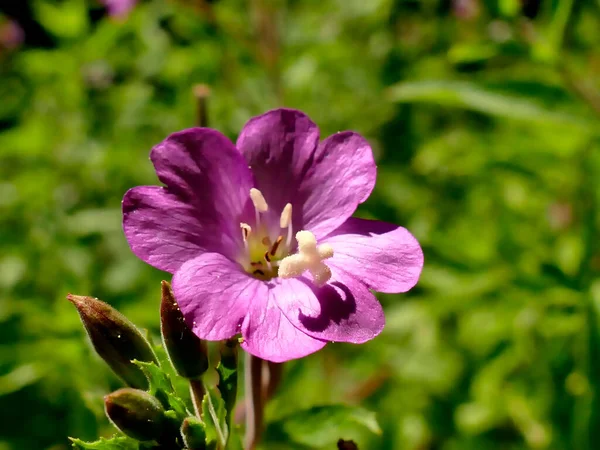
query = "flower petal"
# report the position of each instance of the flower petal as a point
(342, 177)
(324, 182)
(206, 197)
(165, 232)
(203, 168)
(269, 334)
(343, 310)
(386, 257)
(215, 295)
(279, 146)
(219, 300)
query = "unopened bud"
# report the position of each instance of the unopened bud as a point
(194, 434)
(187, 352)
(136, 413)
(115, 339)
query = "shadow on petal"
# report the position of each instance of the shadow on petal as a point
(337, 305)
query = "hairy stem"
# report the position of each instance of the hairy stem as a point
(197, 392)
(254, 400)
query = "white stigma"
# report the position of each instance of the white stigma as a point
(309, 257)
(259, 200)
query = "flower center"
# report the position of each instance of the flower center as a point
(266, 257)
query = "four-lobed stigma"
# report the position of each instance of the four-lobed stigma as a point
(265, 258)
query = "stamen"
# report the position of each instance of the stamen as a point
(246, 230)
(259, 200)
(276, 245)
(267, 256)
(285, 221)
(286, 216)
(266, 241)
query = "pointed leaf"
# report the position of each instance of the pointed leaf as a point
(162, 388)
(114, 443)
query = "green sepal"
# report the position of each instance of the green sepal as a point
(193, 432)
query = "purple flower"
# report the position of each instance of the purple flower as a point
(119, 8)
(260, 238)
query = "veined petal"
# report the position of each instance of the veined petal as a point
(219, 300)
(279, 146)
(341, 177)
(165, 232)
(269, 334)
(215, 295)
(203, 167)
(324, 182)
(343, 310)
(386, 257)
(205, 198)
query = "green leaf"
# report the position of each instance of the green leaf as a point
(162, 388)
(66, 19)
(477, 98)
(323, 426)
(215, 418)
(114, 443)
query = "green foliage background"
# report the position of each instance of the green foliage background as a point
(484, 116)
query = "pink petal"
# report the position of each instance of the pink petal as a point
(343, 310)
(386, 257)
(324, 182)
(214, 295)
(219, 300)
(269, 334)
(205, 199)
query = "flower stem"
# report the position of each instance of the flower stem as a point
(254, 400)
(197, 392)
(201, 92)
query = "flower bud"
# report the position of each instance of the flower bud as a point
(136, 413)
(115, 339)
(194, 434)
(187, 352)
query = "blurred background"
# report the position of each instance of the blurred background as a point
(484, 117)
